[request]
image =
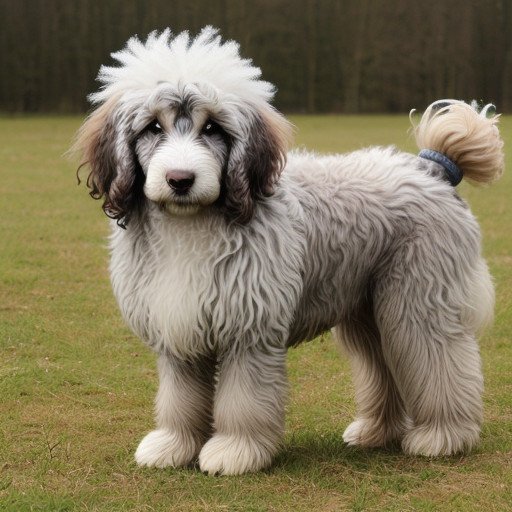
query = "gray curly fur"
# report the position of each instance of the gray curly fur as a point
(374, 244)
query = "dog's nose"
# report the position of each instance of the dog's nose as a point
(180, 181)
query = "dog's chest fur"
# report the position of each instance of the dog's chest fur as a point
(188, 286)
(161, 276)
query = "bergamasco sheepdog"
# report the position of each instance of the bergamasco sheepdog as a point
(226, 249)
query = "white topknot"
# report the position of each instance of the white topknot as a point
(180, 60)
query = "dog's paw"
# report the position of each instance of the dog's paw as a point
(435, 440)
(234, 455)
(371, 433)
(353, 433)
(163, 448)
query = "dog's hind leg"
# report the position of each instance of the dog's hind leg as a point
(380, 417)
(183, 412)
(248, 412)
(427, 315)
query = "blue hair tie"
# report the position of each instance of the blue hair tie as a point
(453, 172)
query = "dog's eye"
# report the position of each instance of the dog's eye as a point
(210, 128)
(154, 127)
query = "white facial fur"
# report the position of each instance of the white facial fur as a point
(177, 133)
(183, 153)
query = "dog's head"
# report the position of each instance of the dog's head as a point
(185, 124)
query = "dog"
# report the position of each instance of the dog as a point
(226, 249)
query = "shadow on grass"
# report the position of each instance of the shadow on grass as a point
(303, 451)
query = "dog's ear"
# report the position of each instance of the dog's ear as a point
(103, 143)
(256, 159)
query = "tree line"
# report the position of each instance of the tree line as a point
(345, 56)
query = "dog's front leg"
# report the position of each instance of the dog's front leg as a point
(183, 412)
(248, 411)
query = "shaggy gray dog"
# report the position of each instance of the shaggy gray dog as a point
(226, 250)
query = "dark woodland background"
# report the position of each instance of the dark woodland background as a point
(345, 56)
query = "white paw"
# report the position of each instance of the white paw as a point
(352, 434)
(234, 455)
(372, 433)
(162, 448)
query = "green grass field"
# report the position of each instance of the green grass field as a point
(77, 388)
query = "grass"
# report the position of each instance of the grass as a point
(76, 387)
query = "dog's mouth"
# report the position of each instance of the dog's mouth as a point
(180, 209)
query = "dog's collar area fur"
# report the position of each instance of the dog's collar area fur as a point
(453, 172)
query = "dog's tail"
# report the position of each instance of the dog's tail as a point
(467, 135)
